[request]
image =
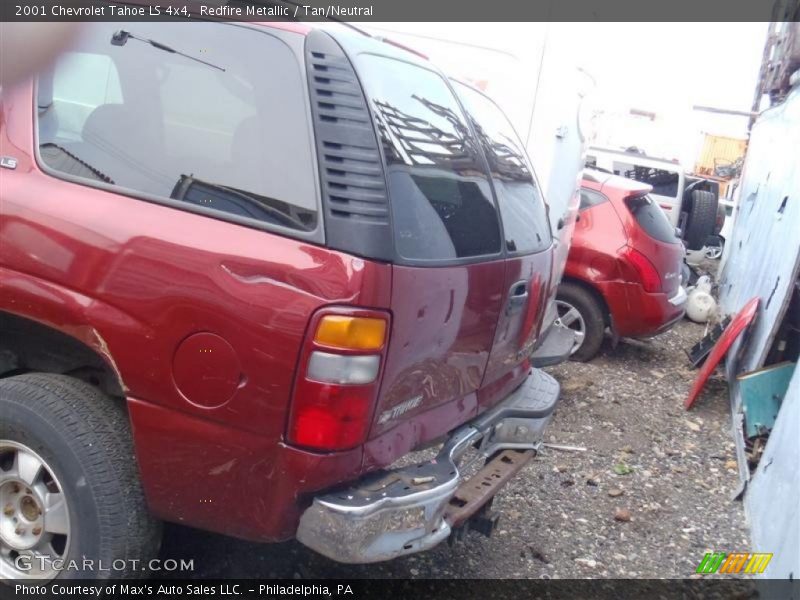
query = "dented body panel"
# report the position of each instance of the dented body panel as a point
(135, 281)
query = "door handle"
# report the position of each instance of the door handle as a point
(517, 296)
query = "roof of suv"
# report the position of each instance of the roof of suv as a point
(336, 28)
(352, 37)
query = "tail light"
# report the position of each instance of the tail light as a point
(646, 273)
(338, 379)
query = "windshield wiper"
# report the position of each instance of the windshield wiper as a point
(96, 172)
(121, 37)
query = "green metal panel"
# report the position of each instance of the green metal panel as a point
(762, 392)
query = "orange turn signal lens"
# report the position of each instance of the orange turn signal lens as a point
(351, 333)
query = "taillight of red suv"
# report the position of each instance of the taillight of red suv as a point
(338, 379)
(644, 270)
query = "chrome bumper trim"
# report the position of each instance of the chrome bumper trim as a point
(399, 512)
(679, 298)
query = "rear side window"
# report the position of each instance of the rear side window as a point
(442, 205)
(651, 218)
(213, 124)
(590, 198)
(665, 183)
(77, 98)
(521, 205)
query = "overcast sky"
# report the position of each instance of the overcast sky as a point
(651, 64)
(672, 64)
(664, 68)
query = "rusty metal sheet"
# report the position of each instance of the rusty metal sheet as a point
(771, 501)
(476, 491)
(762, 258)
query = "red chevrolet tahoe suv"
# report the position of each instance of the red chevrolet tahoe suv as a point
(245, 268)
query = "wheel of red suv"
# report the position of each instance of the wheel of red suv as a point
(714, 251)
(702, 219)
(580, 311)
(69, 487)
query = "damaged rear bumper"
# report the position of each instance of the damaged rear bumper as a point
(407, 510)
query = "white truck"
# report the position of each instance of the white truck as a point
(691, 203)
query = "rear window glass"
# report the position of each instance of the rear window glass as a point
(651, 218)
(521, 204)
(212, 124)
(442, 205)
(665, 183)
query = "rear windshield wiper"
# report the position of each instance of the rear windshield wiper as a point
(96, 172)
(121, 37)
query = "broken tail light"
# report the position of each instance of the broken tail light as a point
(338, 379)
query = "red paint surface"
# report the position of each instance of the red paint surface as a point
(222, 479)
(597, 259)
(133, 280)
(206, 370)
(518, 328)
(442, 333)
(737, 325)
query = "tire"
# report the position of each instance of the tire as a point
(591, 314)
(83, 441)
(702, 219)
(719, 222)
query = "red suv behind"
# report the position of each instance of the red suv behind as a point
(245, 268)
(624, 266)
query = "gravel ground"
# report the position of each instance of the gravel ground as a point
(649, 496)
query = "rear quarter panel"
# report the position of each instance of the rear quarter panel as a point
(142, 277)
(599, 233)
(134, 280)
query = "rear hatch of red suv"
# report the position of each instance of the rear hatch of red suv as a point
(405, 164)
(653, 239)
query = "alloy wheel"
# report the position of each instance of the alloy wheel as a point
(34, 516)
(569, 316)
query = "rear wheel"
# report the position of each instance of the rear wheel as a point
(702, 219)
(714, 247)
(69, 488)
(581, 312)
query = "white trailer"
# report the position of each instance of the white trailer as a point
(530, 70)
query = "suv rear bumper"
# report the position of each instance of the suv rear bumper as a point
(407, 510)
(636, 313)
